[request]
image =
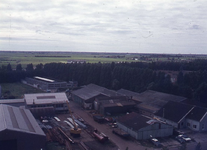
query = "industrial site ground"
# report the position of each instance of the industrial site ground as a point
(87, 141)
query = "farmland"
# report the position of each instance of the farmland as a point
(24, 58)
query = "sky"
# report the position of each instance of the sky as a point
(129, 26)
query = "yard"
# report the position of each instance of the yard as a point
(17, 90)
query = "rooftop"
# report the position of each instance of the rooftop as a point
(197, 113)
(174, 111)
(152, 101)
(45, 98)
(135, 121)
(18, 119)
(93, 90)
(128, 93)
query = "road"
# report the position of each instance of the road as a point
(121, 143)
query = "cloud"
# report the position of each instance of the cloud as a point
(117, 26)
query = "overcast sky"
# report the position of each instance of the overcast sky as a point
(133, 26)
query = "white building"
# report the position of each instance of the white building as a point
(43, 100)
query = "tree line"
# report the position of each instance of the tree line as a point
(135, 76)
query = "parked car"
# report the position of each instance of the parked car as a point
(184, 137)
(180, 139)
(156, 142)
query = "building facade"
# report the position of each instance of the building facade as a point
(142, 128)
(47, 100)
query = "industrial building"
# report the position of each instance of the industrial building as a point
(174, 114)
(151, 102)
(46, 100)
(141, 127)
(19, 130)
(197, 119)
(45, 83)
(113, 105)
(86, 95)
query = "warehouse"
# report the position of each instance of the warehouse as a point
(47, 100)
(152, 101)
(86, 95)
(113, 105)
(19, 130)
(45, 83)
(141, 127)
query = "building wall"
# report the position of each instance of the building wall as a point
(25, 141)
(203, 124)
(197, 125)
(174, 124)
(154, 130)
(77, 99)
(58, 107)
(193, 125)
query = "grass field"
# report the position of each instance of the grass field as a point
(18, 89)
(35, 58)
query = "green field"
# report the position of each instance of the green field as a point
(17, 89)
(24, 58)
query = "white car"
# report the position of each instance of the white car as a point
(185, 137)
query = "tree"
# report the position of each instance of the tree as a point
(9, 68)
(19, 67)
(29, 68)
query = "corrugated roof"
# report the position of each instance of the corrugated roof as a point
(150, 95)
(128, 93)
(134, 121)
(197, 113)
(45, 98)
(174, 111)
(93, 90)
(152, 101)
(18, 119)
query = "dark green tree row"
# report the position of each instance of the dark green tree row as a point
(136, 77)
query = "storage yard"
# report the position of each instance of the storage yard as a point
(58, 130)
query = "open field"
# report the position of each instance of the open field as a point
(18, 89)
(24, 58)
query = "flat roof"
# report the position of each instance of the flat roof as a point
(18, 119)
(45, 98)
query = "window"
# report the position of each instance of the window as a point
(194, 126)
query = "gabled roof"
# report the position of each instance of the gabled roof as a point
(152, 101)
(93, 90)
(18, 119)
(134, 121)
(197, 113)
(45, 98)
(174, 111)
